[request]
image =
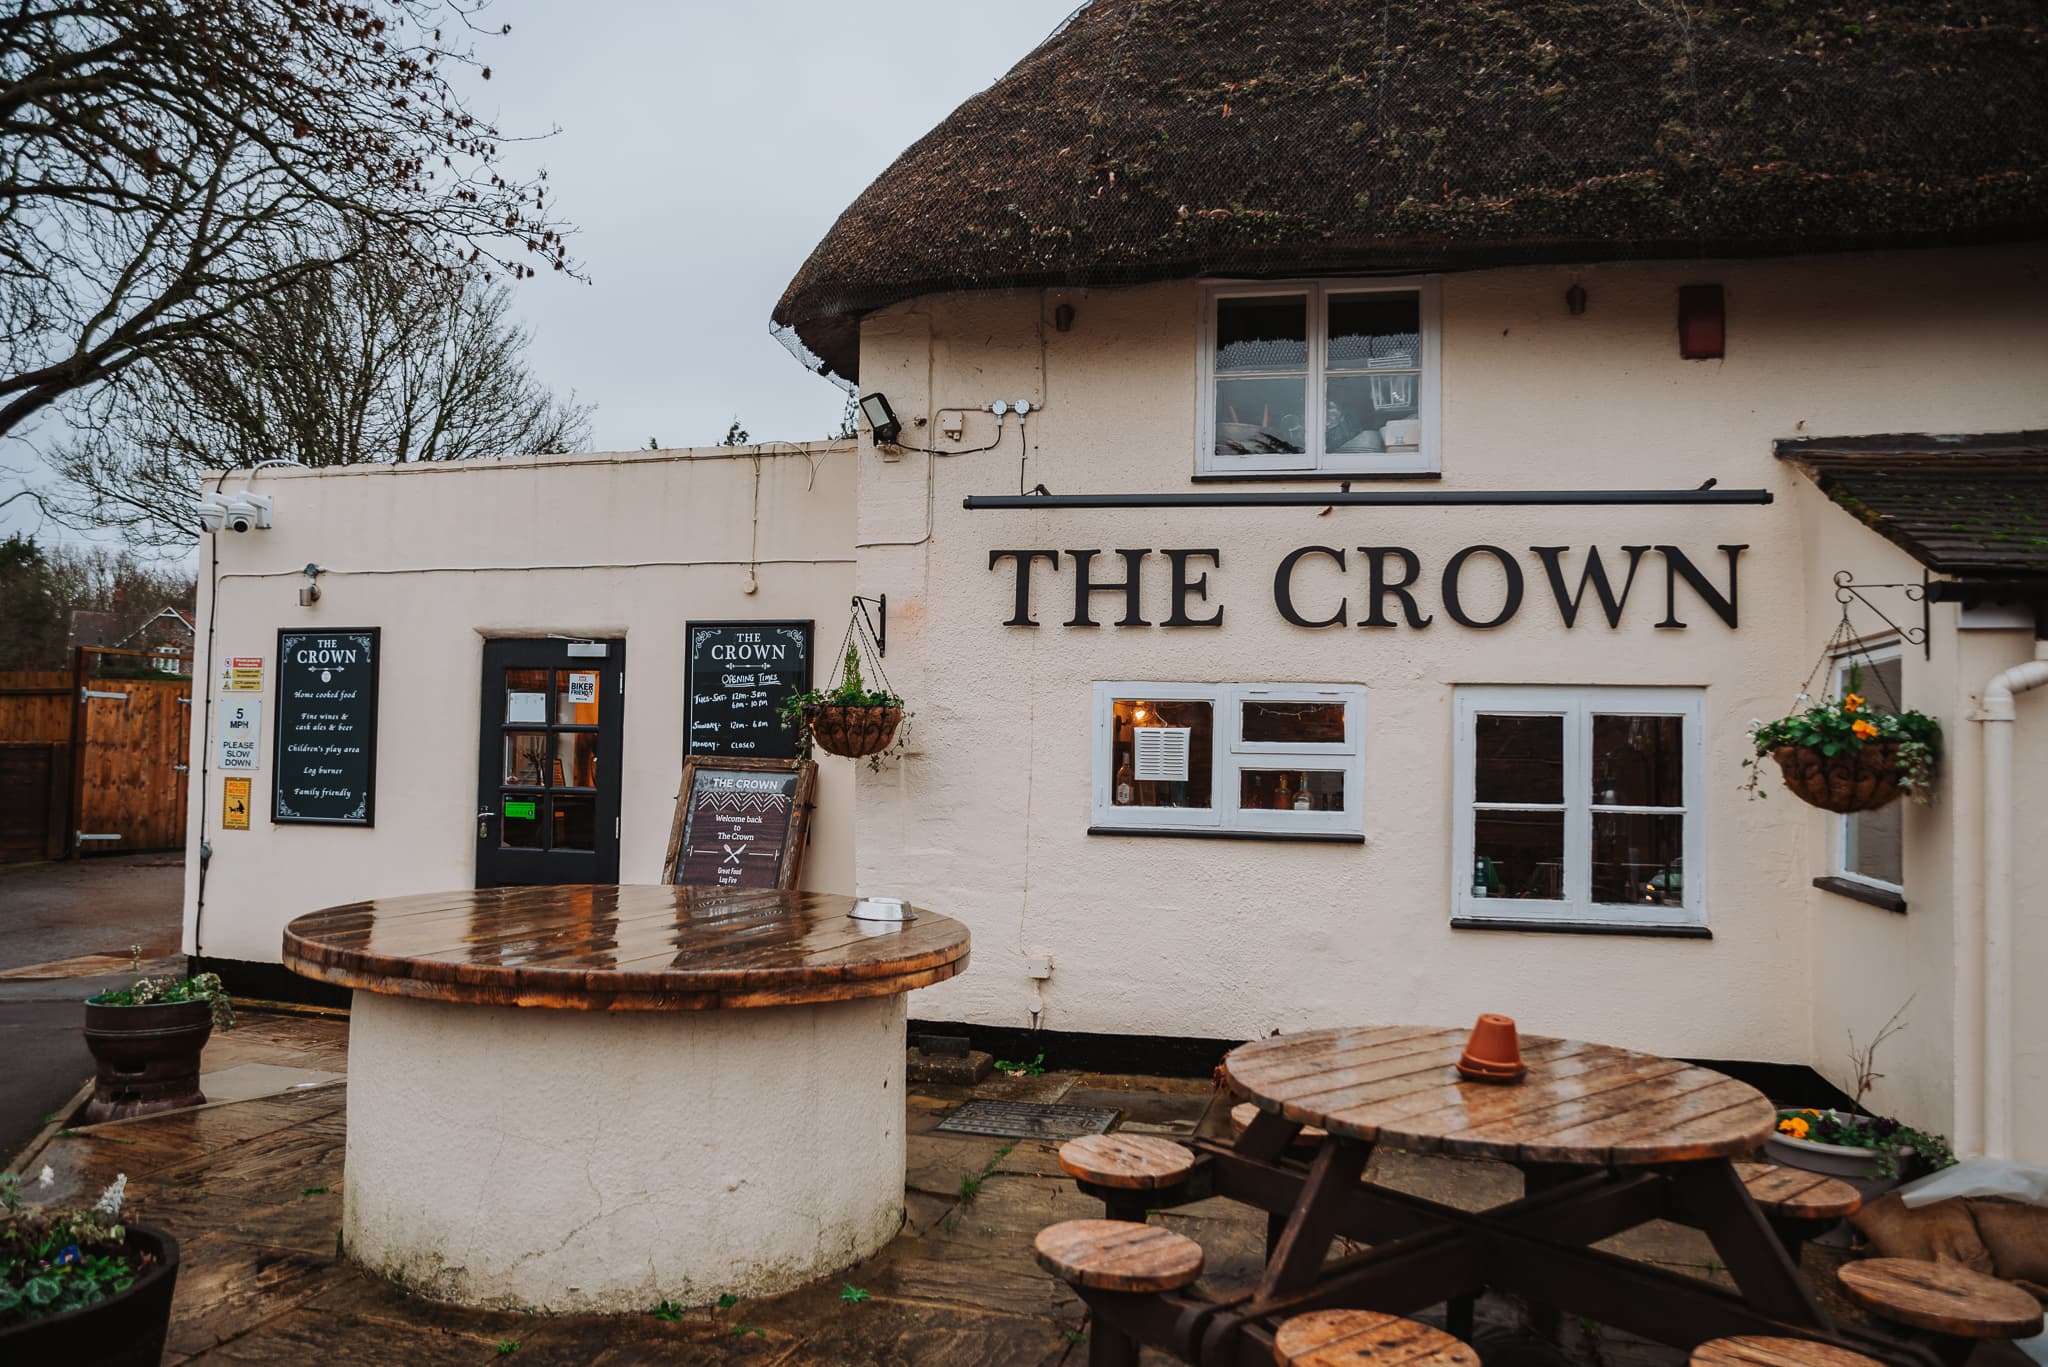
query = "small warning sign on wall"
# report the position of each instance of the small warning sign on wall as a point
(234, 804)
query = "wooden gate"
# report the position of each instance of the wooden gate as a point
(132, 769)
(92, 765)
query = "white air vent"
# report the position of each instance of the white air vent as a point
(1162, 753)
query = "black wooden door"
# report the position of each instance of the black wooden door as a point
(548, 767)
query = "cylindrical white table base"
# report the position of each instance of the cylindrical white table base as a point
(565, 1160)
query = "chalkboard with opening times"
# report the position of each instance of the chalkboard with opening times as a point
(326, 728)
(740, 674)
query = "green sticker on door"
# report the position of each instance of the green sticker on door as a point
(517, 810)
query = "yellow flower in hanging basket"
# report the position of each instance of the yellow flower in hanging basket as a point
(1864, 729)
(1853, 703)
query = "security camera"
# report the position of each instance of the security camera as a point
(213, 512)
(246, 512)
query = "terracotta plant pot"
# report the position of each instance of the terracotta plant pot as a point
(852, 731)
(1494, 1053)
(126, 1330)
(148, 1057)
(1858, 782)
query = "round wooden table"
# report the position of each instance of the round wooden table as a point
(1581, 1104)
(597, 1098)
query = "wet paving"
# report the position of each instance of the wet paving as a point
(252, 1190)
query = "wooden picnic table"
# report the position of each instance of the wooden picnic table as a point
(596, 1097)
(1607, 1140)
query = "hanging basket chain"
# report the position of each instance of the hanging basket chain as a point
(870, 647)
(861, 637)
(1845, 641)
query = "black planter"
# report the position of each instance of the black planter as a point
(127, 1330)
(148, 1057)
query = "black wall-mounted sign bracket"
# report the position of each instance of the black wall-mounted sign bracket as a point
(1847, 590)
(878, 625)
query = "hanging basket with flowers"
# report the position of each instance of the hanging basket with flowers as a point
(1845, 756)
(848, 718)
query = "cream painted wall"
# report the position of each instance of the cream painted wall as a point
(986, 818)
(443, 556)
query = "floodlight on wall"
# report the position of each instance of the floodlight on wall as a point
(881, 418)
(310, 594)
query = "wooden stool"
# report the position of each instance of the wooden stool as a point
(1756, 1351)
(1952, 1304)
(1798, 1195)
(1798, 1204)
(1133, 1168)
(1241, 1119)
(1115, 1255)
(1361, 1338)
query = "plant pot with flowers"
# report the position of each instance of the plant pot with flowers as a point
(1843, 756)
(848, 719)
(1872, 1153)
(146, 1040)
(78, 1285)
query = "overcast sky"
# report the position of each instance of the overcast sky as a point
(703, 151)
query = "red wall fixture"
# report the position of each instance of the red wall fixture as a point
(1702, 323)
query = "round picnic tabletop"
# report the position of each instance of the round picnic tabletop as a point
(599, 947)
(1581, 1103)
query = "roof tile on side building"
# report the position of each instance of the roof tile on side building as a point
(1959, 505)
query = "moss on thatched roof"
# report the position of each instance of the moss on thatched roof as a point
(1153, 139)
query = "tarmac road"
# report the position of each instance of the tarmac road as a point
(50, 912)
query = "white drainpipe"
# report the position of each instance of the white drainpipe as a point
(1997, 714)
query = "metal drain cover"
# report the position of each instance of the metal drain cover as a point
(1029, 1120)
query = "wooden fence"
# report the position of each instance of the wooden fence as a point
(35, 706)
(92, 757)
(35, 801)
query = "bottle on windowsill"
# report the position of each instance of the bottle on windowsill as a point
(1480, 881)
(1125, 787)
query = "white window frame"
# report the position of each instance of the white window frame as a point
(1875, 652)
(1578, 706)
(1426, 459)
(1231, 755)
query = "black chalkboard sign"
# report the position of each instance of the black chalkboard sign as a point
(740, 675)
(740, 823)
(326, 727)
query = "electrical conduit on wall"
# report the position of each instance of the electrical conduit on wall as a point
(1995, 1060)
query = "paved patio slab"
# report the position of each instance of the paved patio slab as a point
(252, 1189)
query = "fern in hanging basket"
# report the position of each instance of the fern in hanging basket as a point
(848, 719)
(1842, 757)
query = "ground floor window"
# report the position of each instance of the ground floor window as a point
(1579, 805)
(1229, 757)
(1870, 846)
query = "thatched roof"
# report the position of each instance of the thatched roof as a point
(1151, 139)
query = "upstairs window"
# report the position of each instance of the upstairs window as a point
(1337, 378)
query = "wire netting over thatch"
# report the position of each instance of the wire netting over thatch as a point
(1150, 139)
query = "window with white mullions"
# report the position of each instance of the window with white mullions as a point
(1335, 376)
(1870, 846)
(1579, 805)
(1228, 757)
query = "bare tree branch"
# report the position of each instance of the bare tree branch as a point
(157, 155)
(382, 358)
